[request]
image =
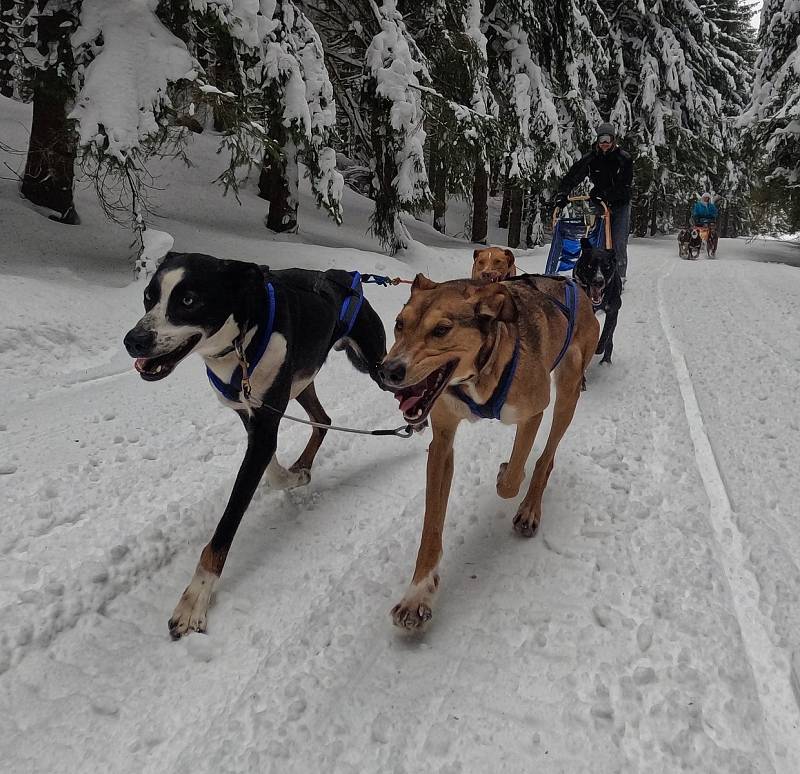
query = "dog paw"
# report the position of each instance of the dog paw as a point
(411, 618)
(506, 487)
(190, 614)
(280, 478)
(526, 522)
(416, 607)
(300, 477)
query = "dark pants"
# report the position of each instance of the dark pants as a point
(620, 228)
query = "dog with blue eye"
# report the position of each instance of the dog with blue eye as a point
(263, 335)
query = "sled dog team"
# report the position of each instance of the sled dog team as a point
(486, 347)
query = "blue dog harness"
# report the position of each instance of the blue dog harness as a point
(240, 379)
(492, 408)
(569, 309)
(350, 311)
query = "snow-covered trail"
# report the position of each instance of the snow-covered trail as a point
(612, 641)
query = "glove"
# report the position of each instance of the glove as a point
(596, 202)
(561, 200)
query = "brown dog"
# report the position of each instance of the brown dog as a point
(465, 349)
(493, 264)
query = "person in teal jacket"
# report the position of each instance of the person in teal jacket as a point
(704, 212)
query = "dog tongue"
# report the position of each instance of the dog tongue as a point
(407, 403)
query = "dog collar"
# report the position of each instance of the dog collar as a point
(492, 408)
(248, 359)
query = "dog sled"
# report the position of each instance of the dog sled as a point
(568, 230)
(691, 241)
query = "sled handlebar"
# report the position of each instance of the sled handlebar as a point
(585, 198)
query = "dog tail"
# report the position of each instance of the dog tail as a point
(365, 345)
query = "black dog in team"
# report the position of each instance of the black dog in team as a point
(263, 335)
(596, 272)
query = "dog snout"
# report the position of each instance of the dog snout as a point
(139, 341)
(489, 275)
(392, 372)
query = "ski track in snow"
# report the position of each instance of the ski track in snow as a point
(772, 673)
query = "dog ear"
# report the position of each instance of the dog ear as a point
(510, 257)
(476, 253)
(246, 284)
(421, 282)
(492, 301)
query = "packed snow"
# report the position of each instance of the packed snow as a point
(651, 625)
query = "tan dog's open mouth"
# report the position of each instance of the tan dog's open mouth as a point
(417, 400)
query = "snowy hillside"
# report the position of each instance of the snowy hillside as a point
(651, 625)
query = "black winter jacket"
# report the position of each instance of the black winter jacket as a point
(611, 175)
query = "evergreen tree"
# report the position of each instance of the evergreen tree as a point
(772, 119)
(458, 103)
(282, 110)
(527, 104)
(9, 21)
(665, 93)
(395, 73)
(48, 69)
(733, 39)
(345, 28)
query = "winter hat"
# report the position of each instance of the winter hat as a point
(606, 133)
(706, 194)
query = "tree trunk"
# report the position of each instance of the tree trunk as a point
(494, 178)
(50, 165)
(515, 217)
(653, 216)
(225, 79)
(639, 214)
(531, 207)
(438, 178)
(480, 206)
(505, 208)
(277, 183)
(724, 222)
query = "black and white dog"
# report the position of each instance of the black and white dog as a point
(263, 335)
(596, 272)
(689, 243)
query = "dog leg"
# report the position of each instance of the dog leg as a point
(606, 344)
(416, 606)
(568, 384)
(192, 608)
(309, 401)
(512, 473)
(279, 478)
